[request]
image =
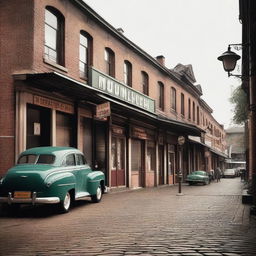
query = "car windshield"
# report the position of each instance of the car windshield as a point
(36, 159)
(199, 173)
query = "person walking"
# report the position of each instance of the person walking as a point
(217, 174)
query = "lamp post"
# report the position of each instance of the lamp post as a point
(181, 141)
(229, 60)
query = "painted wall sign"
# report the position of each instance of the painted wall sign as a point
(121, 91)
(54, 104)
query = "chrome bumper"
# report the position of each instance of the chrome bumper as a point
(33, 200)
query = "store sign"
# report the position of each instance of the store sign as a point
(181, 140)
(103, 110)
(121, 91)
(139, 133)
(54, 104)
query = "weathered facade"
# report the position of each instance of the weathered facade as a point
(68, 78)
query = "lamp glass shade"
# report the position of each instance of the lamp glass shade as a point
(229, 60)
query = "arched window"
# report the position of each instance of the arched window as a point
(144, 82)
(109, 57)
(128, 73)
(54, 36)
(161, 95)
(182, 104)
(189, 109)
(197, 115)
(194, 112)
(85, 54)
(173, 99)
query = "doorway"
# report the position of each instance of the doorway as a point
(160, 164)
(38, 126)
(117, 162)
(137, 164)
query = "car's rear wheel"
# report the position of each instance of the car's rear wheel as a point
(64, 205)
(97, 197)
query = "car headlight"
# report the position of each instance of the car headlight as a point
(1, 180)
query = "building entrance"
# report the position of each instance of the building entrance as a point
(118, 162)
(38, 126)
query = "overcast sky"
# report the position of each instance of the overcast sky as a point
(184, 31)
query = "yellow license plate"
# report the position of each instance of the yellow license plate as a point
(22, 194)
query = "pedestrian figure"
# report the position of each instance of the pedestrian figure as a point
(211, 174)
(217, 174)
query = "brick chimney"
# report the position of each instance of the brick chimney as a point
(161, 59)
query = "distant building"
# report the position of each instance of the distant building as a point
(235, 138)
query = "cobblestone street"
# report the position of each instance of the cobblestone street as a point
(207, 220)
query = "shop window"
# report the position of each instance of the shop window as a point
(173, 98)
(161, 95)
(128, 73)
(54, 36)
(144, 81)
(85, 54)
(136, 164)
(151, 156)
(109, 57)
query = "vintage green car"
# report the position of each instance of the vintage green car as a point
(198, 177)
(51, 175)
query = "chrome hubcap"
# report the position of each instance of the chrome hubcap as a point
(99, 193)
(66, 202)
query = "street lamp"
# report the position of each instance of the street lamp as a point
(229, 60)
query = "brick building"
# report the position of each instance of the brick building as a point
(69, 78)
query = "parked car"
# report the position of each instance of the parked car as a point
(229, 173)
(51, 175)
(198, 177)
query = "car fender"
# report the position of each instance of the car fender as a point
(60, 183)
(95, 179)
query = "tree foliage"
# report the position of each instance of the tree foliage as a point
(240, 109)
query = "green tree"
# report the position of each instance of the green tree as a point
(239, 100)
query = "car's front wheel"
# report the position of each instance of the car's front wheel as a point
(64, 205)
(97, 197)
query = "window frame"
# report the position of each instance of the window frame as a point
(182, 104)
(84, 73)
(128, 73)
(109, 61)
(59, 38)
(145, 83)
(173, 99)
(160, 95)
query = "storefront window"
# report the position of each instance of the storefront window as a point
(136, 155)
(151, 156)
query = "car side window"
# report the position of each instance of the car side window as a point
(80, 159)
(70, 160)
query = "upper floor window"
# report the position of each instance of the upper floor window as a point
(144, 81)
(194, 112)
(54, 36)
(198, 116)
(173, 98)
(85, 54)
(109, 57)
(161, 95)
(127, 73)
(189, 109)
(182, 104)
